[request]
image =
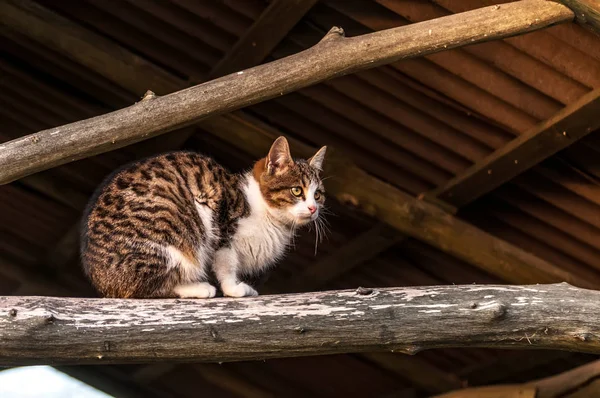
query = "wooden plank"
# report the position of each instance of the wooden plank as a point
(333, 56)
(113, 331)
(263, 36)
(570, 124)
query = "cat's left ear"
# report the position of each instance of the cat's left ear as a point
(317, 159)
(279, 157)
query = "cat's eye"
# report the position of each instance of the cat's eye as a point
(296, 191)
(317, 195)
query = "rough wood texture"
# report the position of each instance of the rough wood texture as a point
(49, 330)
(333, 56)
(587, 13)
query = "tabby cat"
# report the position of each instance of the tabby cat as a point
(168, 225)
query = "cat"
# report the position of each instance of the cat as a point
(164, 226)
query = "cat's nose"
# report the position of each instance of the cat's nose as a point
(312, 209)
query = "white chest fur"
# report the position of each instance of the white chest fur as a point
(258, 241)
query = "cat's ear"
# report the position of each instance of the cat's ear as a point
(279, 156)
(317, 159)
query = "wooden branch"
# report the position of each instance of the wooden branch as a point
(333, 56)
(587, 13)
(49, 330)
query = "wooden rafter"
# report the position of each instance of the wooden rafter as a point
(572, 123)
(262, 37)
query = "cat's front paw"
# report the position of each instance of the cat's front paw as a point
(196, 290)
(239, 290)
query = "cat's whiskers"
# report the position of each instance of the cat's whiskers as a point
(321, 231)
(293, 232)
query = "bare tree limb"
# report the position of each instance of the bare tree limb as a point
(50, 330)
(333, 56)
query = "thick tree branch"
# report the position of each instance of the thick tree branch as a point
(333, 56)
(49, 330)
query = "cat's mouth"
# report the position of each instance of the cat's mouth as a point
(306, 218)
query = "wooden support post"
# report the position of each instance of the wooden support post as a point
(87, 331)
(333, 56)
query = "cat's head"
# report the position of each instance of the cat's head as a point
(292, 188)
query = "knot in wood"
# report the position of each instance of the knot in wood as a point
(335, 32)
(415, 214)
(498, 311)
(148, 95)
(300, 330)
(584, 336)
(364, 291)
(49, 319)
(411, 350)
(12, 313)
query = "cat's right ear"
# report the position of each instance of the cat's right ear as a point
(279, 157)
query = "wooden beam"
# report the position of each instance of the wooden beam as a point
(263, 36)
(103, 331)
(354, 252)
(583, 381)
(570, 124)
(418, 371)
(333, 56)
(587, 13)
(226, 380)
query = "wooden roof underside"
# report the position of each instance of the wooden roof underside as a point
(417, 124)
